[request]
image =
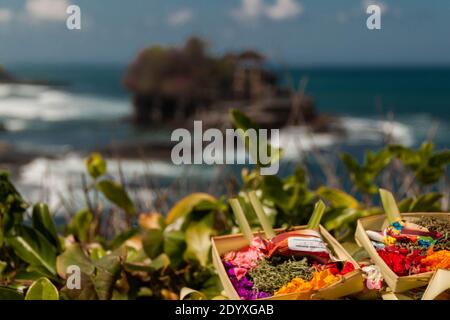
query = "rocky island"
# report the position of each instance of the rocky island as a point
(174, 86)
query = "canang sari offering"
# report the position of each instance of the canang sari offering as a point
(294, 264)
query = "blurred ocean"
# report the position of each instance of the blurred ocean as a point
(91, 108)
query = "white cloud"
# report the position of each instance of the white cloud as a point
(5, 16)
(284, 9)
(46, 10)
(252, 10)
(180, 17)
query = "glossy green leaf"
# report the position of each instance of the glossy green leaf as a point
(115, 193)
(198, 239)
(10, 294)
(174, 247)
(43, 222)
(186, 205)
(337, 198)
(42, 289)
(152, 241)
(32, 247)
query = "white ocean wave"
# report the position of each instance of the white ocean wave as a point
(21, 90)
(296, 141)
(15, 125)
(370, 130)
(46, 104)
(62, 176)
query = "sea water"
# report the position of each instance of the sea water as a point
(90, 109)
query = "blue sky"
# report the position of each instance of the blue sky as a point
(296, 32)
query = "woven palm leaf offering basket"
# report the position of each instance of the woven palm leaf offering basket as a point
(301, 263)
(407, 248)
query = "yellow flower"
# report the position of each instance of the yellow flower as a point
(389, 240)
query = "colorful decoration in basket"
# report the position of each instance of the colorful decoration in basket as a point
(290, 262)
(412, 247)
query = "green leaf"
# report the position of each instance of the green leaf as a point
(32, 247)
(187, 204)
(273, 190)
(97, 253)
(97, 277)
(43, 222)
(87, 291)
(12, 206)
(122, 237)
(191, 294)
(338, 198)
(153, 242)
(10, 294)
(80, 224)
(174, 247)
(73, 255)
(351, 164)
(364, 176)
(405, 205)
(440, 159)
(106, 274)
(96, 166)
(429, 202)
(160, 262)
(198, 239)
(115, 193)
(428, 168)
(27, 274)
(42, 289)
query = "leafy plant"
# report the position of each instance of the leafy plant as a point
(167, 256)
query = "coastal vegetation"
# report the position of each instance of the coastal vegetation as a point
(166, 255)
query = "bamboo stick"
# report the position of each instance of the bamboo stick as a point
(265, 223)
(317, 214)
(390, 206)
(241, 220)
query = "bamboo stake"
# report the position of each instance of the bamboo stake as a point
(390, 206)
(319, 210)
(241, 220)
(438, 284)
(265, 223)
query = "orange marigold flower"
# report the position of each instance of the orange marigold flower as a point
(320, 280)
(436, 260)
